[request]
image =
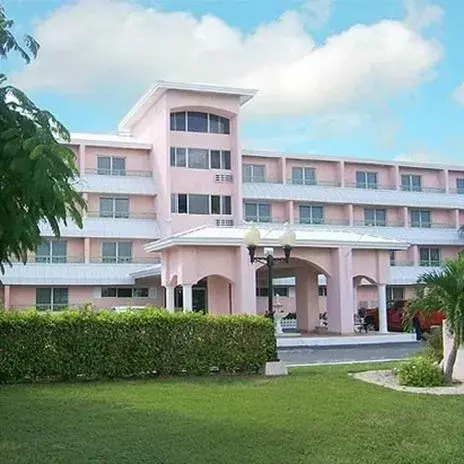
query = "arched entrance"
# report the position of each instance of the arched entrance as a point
(297, 284)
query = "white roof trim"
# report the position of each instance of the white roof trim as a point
(155, 93)
(337, 159)
(233, 236)
(152, 271)
(108, 140)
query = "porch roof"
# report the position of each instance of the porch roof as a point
(317, 237)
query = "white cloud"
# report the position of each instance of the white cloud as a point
(420, 14)
(103, 44)
(458, 94)
(318, 11)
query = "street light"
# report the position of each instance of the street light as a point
(287, 240)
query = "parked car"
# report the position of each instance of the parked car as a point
(395, 318)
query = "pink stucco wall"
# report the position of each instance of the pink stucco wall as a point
(325, 171)
(431, 178)
(139, 205)
(136, 160)
(138, 254)
(272, 166)
(385, 174)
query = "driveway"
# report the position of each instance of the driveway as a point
(349, 354)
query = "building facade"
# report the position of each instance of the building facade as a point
(168, 202)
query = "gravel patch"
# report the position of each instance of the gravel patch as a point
(386, 378)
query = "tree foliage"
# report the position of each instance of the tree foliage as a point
(38, 174)
(443, 290)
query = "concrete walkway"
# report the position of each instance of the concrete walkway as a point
(348, 354)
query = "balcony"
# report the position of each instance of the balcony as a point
(314, 182)
(377, 223)
(131, 182)
(120, 215)
(119, 172)
(331, 193)
(323, 222)
(124, 260)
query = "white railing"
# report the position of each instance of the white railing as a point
(289, 324)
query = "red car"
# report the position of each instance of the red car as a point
(395, 318)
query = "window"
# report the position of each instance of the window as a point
(304, 176)
(194, 121)
(117, 252)
(375, 217)
(322, 290)
(178, 121)
(392, 258)
(221, 205)
(200, 204)
(411, 183)
(218, 124)
(421, 218)
(311, 214)
(114, 207)
(197, 158)
(395, 294)
(460, 185)
(51, 251)
(178, 157)
(52, 299)
(278, 290)
(254, 173)
(258, 212)
(124, 292)
(111, 166)
(220, 159)
(429, 256)
(366, 180)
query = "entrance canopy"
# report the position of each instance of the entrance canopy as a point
(314, 237)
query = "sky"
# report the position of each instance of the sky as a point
(381, 79)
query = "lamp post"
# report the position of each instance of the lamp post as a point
(286, 239)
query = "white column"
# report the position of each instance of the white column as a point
(383, 325)
(355, 299)
(170, 298)
(187, 297)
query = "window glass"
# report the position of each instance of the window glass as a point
(103, 165)
(178, 121)
(42, 254)
(251, 212)
(198, 158)
(173, 157)
(258, 173)
(109, 252)
(140, 292)
(309, 176)
(264, 212)
(297, 175)
(247, 172)
(108, 292)
(226, 159)
(124, 292)
(119, 167)
(59, 251)
(122, 207)
(43, 298)
(198, 204)
(215, 159)
(106, 207)
(124, 252)
(460, 185)
(214, 124)
(392, 257)
(226, 205)
(182, 203)
(60, 298)
(197, 122)
(215, 204)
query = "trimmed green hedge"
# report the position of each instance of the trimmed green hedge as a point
(91, 345)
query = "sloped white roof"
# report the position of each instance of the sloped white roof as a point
(155, 93)
(108, 140)
(71, 274)
(234, 236)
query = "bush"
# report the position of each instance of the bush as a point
(92, 345)
(434, 345)
(419, 372)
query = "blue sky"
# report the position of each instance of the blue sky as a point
(362, 78)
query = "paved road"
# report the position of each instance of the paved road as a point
(349, 354)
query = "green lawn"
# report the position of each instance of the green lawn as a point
(316, 415)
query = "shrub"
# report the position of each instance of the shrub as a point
(419, 372)
(434, 345)
(86, 344)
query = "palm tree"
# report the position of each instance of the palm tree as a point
(443, 290)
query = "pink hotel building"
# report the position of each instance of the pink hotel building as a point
(169, 198)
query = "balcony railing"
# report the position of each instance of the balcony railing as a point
(323, 221)
(259, 180)
(224, 222)
(379, 223)
(120, 215)
(124, 260)
(119, 172)
(315, 182)
(421, 189)
(371, 186)
(433, 225)
(398, 262)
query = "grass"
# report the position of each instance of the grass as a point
(316, 415)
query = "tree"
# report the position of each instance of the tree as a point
(38, 174)
(443, 290)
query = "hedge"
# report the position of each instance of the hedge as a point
(89, 345)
